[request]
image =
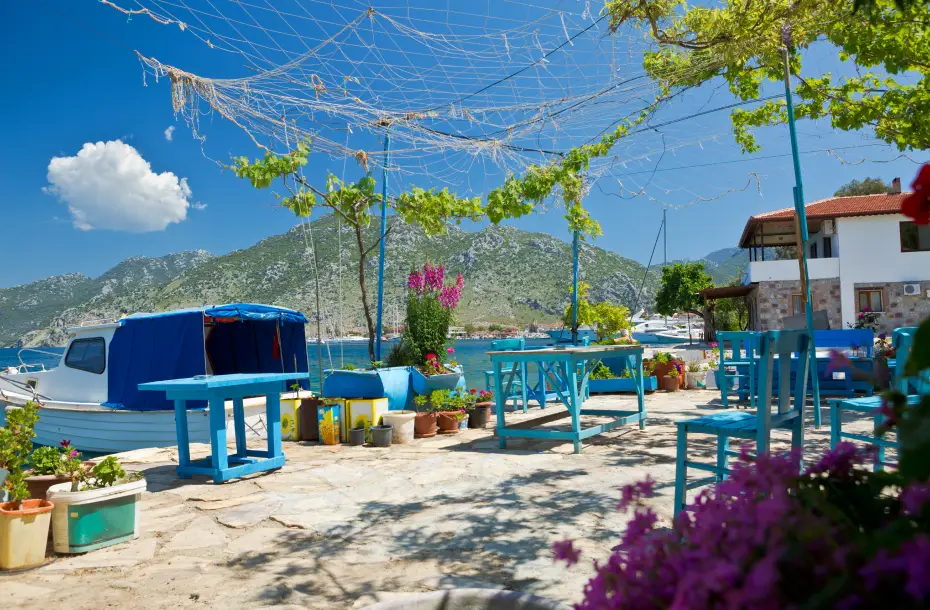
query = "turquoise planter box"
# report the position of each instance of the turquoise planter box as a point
(421, 384)
(93, 519)
(392, 383)
(621, 384)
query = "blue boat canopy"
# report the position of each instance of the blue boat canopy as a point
(219, 340)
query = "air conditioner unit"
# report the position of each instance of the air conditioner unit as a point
(912, 290)
(828, 228)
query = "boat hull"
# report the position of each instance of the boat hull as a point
(102, 430)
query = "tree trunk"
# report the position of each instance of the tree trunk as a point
(362, 257)
(707, 314)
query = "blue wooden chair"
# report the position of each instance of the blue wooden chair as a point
(902, 339)
(788, 412)
(745, 351)
(514, 374)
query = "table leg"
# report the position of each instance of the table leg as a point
(500, 400)
(574, 407)
(273, 413)
(184, 449)
(640, 391)
(524, 378)
(239, 426)
(218, 437)
(815, 382)
(836, 417)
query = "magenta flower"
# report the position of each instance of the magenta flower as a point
(450, 351)
(74, 453)
(636, 492)
(838, 361)
(915, 497)
(891, 417)
(416, 282)
(565, 551)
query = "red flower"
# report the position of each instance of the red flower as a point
(473, 391)
(430, 357)
(917, 204)
(65, 444)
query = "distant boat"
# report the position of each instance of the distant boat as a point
(92, 399)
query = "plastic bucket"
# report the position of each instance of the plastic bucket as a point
(24, 534)
(86, 520)
(381, 435)
(403, 423)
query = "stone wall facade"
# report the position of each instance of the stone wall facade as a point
(773, 302)
(900, 309)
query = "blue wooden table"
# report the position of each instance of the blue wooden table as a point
(569, 382)
(216, 390)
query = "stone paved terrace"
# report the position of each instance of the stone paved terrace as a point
(339, 527)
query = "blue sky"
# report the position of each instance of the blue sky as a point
(69, 86)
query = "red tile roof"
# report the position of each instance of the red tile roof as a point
(837, 207)
(834, 207)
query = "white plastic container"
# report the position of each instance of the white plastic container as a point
(710, 380)
(87, 520)
(403, 425)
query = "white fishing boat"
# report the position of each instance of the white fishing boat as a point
(92, 398)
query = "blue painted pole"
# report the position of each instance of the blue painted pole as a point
(575, 289)
(384, 179)
(802, 247)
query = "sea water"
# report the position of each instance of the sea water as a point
(470, 353)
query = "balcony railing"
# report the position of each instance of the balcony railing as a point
(784, 270)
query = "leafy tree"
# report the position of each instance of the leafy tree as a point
(679, 293)
(353, 203)
(606, 318)
(868, 186)
(743, 42)
(731, 314)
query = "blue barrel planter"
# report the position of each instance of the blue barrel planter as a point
(421, 384)
(392, 383)
(621, 384)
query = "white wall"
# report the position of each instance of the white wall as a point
(872, 254)
(773, 271)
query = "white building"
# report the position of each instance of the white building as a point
(862, 254)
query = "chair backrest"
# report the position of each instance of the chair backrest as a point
(902, 339)
(744, 344)
(508, 345)
(850, 338)
(788, 345)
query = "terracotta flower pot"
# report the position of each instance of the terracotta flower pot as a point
(478, 417)
(670, 384)
(424, 425)
(24, 533)
(38, 484)
(449, 422)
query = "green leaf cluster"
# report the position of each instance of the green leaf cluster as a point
(16, 447)
(605, 317)
(743, 43)
(680, 285)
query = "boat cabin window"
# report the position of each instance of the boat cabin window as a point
(87, 355)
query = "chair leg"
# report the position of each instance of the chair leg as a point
(723, 460)
(836, 418)
(681, 471)
(880, 446)
(797, 436)
(724, 390)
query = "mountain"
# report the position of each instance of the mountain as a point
(726, 264)
(511, 276)
(32, 308)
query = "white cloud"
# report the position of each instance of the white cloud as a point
(169, 133)
(110, 186)
(199, 206)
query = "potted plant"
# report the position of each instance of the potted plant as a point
(450, 410)
(378, 381)
(424, 424)
(710, 377)
(670, 381)
(480, 409)
(431, 303)
(24, 522)
(694, 376)
(105, 494)
(404, 424)
(46, 469)
(382, 435)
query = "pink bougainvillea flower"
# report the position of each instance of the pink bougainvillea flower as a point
(74, 453)
(917, 204)
(430, 357)
(565, 551)
(838, 361)
(449, 350)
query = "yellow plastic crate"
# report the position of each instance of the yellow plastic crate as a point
(289, 420)
(329, 424)
(365, 412)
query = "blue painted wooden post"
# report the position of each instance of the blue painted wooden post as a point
(499, 398)
(640, 391)
(273, 410)
(218, 433)
(574, 289)
(180, 424)
(681, 470)
(570, 371)
(239, 424)
(384, 177)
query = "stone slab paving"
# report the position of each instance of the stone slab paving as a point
(341, 527)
